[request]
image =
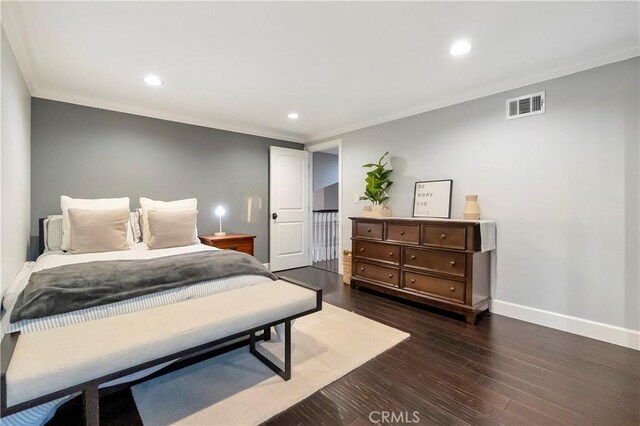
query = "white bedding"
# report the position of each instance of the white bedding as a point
(41, 414)
(53, 259)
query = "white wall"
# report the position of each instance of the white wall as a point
(15, 167)
(563, 187)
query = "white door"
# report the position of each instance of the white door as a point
(289, 204)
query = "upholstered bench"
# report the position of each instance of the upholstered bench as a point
(49, 364)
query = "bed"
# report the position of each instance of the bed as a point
(139, 251)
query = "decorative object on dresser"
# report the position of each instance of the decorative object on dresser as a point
(378, 183)
(433, 199)
(443, 263)
(471, 208)
(237, 242)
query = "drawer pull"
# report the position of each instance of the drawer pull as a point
(443, 236)
(452, 289)
(390, 275)
(413, 257)
(453, 263)
(401, 232)
(413, 280)
(362, 250)
(368, 229)
(391, 253)
(361, 269)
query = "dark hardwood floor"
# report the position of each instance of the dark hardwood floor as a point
(327, 265)
(500, 371)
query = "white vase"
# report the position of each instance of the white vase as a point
(471, 208)
(376, 210)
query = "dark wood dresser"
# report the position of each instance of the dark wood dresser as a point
(436, 262)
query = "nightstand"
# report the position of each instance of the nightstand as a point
(237, 242)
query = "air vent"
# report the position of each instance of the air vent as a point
(524, 106)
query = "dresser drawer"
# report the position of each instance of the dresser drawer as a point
(237, 242)
(389, 276)
(403, 233)
(237, 246)
(432, 286)
(378, 251)
(369, 230)
(454, 237)
(445, 262)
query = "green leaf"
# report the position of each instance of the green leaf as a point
(383, 155)
(385, 175)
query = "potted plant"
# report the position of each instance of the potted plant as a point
(378, 183)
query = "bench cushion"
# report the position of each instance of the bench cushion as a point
(55, 359)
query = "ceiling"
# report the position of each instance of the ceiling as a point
(341, 66)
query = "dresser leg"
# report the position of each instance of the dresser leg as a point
(470, 317)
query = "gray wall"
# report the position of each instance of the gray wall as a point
(325, 181)
(91, 153)
(563, 187)
(15, 167)
(326, 198)
(325, 169)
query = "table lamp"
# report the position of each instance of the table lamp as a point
(220, 212)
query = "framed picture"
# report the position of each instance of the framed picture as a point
(433, 199)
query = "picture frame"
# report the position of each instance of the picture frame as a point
(432, 198)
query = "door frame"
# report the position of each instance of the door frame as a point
(323, 146)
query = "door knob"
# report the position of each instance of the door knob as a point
(274, 216)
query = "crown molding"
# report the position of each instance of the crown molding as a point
(146, 112)
(476, 94)
(14, 28)
(13, 24)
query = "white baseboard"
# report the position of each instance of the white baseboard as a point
(595, 330)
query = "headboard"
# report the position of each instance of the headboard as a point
(40, 236)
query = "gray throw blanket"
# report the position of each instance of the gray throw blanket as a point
(72, 287)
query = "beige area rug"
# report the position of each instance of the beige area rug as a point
(237, 389)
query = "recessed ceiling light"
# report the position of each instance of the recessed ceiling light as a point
(460, 47)
(152, 80)
(293, 115)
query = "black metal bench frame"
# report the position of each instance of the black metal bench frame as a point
(91, 393)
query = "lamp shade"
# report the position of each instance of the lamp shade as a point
(220, 211)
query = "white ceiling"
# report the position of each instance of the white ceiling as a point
(341, 66)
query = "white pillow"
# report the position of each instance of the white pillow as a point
(67, 203)
(164, 206)
(52, 233)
